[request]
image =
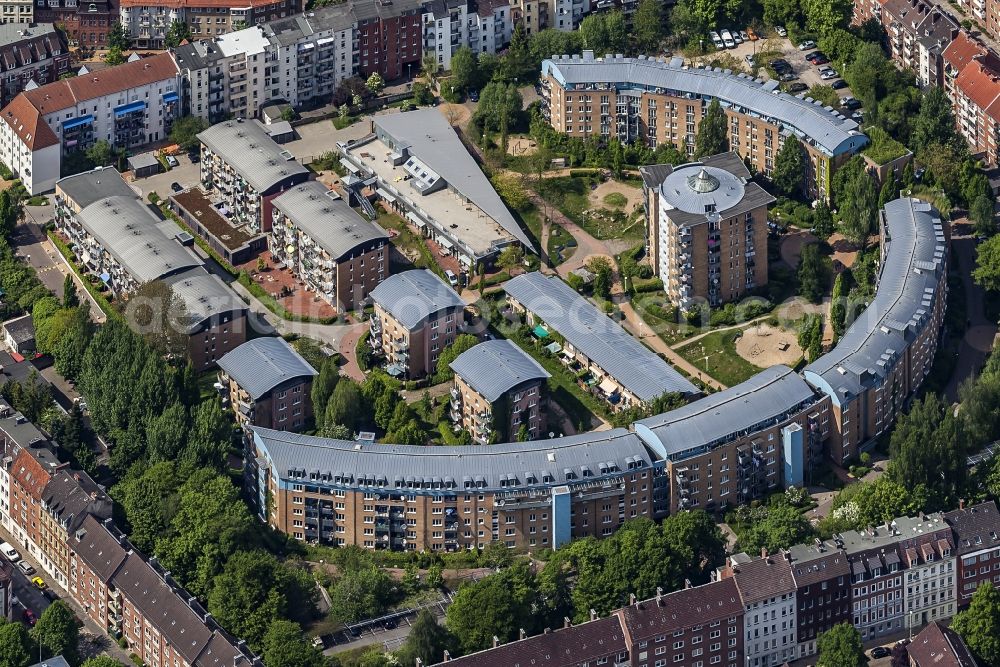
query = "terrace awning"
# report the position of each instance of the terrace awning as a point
(169, 98)
(445, 243)
(129, 108)
(608, 386)
(385, 195)
(540, 331)
(77, 122)
(412, 217)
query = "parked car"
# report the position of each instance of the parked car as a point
(714, 36)
(850, 103)
(727, 39)
(176, 187)
(9, 552)
(826, 75)
(194, 157)
(839, 84)
(822, 60)
(25, 567)
(38, 583)
(797, 87)
(750, 60)
(737, 37)
(744, 35)
(859, 118)
(788, 76)
(816, 55)
(474, 95)
(172, 161)
(29, 617)
(881, 652)
(452, 278)
(807, 45)
(781, 31)
(752, 35)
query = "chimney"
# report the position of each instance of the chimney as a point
(659, 596)
(566, 622)
(547, 631)
(961, 503)
(496, 641)
(687, 583)
(521, 634)
(419, 662)
(593, 615)
(631, 599)
(763, 552)
(447, 655)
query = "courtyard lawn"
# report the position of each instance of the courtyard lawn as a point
(724, 363)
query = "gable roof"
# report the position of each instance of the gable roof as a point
(976, 528)
(494, 367)
(938, 646)
(98, 548)
(261, 364)
(763, 578)
(962, 50)
(685, 608)
(982, 86)
(412, 297)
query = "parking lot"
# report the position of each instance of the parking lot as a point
(186, 173)
(804, 71)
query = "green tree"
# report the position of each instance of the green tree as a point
(858, 209)
(427, 640)
(10, 213)
(824, 16)
(101, 153)
(887, 192)
(811, 273)
(781, 526)
(462, 343)
(712, 132)
(840, 646)
(465, 69)
(789, 166)
(500, 106)
(647, 26)
(927, 455)
(148, 500)
(322, 388)
(345, 405)
(159, 315)
(781, 12)
(979, 625)
(375, 83)
(117, 37)
(114, 56)
(70, 297)
(360, 594)
(510, 257)
(210, 436)
(935, 123)
(166, 434)
(982, 214)
(284, 646)
(184, 132)
(498, 605)
(15, 644)
(56, 632)
(603, 276)
(822, 221)
(177, 32)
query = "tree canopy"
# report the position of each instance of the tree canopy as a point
(841, 646)
(184, 132)
(979, 625)
(712, 132)
(789, 166)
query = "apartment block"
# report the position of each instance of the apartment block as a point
(29, 52)
(928, 552)
(939, 646)
(499, 392)
(416, 317)
(742, 443)
(327, 245)
(877, 585)
(767, 591)
(977, 547)
(128, 105)
(448, 25)
(916, 31)
(887, 351)
(17, 12)
(390, 37)
(267, 383)
(86, 24)
(659, 101)
(705, 222)
(119, 239)
(147, 22)
(527, 495)
(245, 169)
(611, 363)
(822, 591)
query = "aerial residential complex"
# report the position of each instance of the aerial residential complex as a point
(119, 239)
(245, 169)
(663, 101)
(129, 105)
(327, 245)
(499, 390)
(753, 610)
(147, 22)
(623, 371)
(528, 495)
(416, 316)
(267, 383)
(705, 222)
(30, 52)
(422, 171)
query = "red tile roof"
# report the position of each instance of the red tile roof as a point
(682, 609)
(25, 112)
(937, 646)
(982, 87)
(962, 51)
(29, 474)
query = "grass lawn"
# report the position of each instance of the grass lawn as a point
(615, 199)
(724, 364)
(409, 242)
(570, 194)
(561, 244)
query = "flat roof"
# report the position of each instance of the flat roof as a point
(327, 219)
(823, 127)
(603, 341)
(197, 205)
(88, 187)
(248, 149)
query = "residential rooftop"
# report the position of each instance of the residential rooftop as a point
(327, 219)
(205, 296)
(200, 207)
(629, 362)
(261, 364)
(247, 148)
(939, 646)
(820, 126)
(494, 367)
(414, 296)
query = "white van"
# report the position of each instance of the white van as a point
(10, 552)
(452, 278)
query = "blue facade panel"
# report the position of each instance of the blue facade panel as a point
(793, 450)
(562, 516)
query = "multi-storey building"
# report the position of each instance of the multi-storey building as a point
(68, 498)
(246, 169)
(914, 29)
(120, 240)
(938, 646)
(147, 22)
(822, 591)
(390, 37)
(416, 316)
(928, 552)
(663, 101)
(448, 25)
(741, 443)
(529, 495)
(17, 12)
(887, 351)
(877, 588)
(327, 245)
(977, 547)
(417, 166)
(705, 222)
(86, 24)
(30, 52)
(267, 383)
(499, 393)
(622, 371)
(128, 105)
(767, 590)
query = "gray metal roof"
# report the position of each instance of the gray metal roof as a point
(413, 296)
(591, 332)
(695, 187)
(914, 255)
(434, 142)
(142, 243)
(828, 130)
(204, 294)
(766, 398)
(57, 661)
(261, 364)
(494, 367)
(20, 329)
(351, 465)
(143, 160)
(90, 186)
(327, 219)
(291, 30)
(255, 156)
